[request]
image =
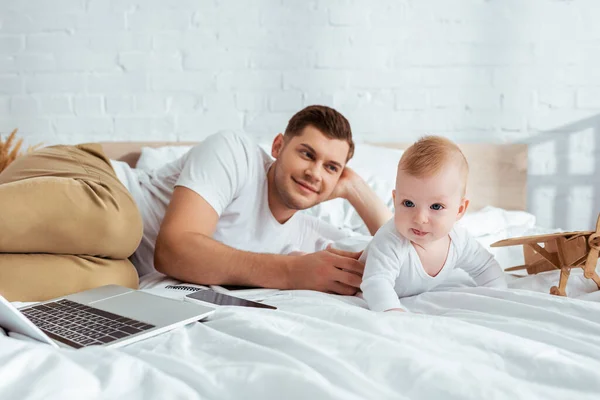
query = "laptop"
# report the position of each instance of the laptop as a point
(110, 316)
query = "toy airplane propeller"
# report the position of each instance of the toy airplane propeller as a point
(561, 251)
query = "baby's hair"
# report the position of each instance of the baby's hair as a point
(429, 154)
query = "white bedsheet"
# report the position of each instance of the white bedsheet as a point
(466, 343)
(459, 342)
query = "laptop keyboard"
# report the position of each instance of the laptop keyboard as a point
(78, 325)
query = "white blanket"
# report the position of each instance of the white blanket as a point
(466, 343)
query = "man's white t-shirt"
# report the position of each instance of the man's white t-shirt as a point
(393, 268)
(229, 171)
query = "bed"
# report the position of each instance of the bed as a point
(460, 342)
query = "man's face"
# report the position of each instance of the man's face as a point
(307, 167)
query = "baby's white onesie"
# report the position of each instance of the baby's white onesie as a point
(393, 268)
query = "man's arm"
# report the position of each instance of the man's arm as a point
(186, 250)
(365, 201)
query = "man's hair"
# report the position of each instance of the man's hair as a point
(327, 120)
(428, 155)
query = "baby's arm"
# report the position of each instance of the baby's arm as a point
(481, 265)
(382, 267)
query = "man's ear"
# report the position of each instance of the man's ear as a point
(277, 146)
(464, 204)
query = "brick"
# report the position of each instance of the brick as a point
(7, 64)
(228, 13)
(45, 83)
(84, 125)
(4, 105)
(55, 42)
(11, 44)
(24, 105)
(48, 22)
(142, 61)
(491, 120)
(117, 83)
(306, 80)
(484, 98)
(251, 101)
(412, 99)
(16, 22)
(26, 125)
(195, 82)
(470, 54)
(285, 101)
(45, 7)
(527, 76)
(119, 105)
(184, 103)
(460, 76)
(88, 105)
(10, 84)
(244, 80)
(198, 127)
(216, 59)
(388, 13)
(35, 62)
(285, 59)
(150, 104)
(364, 100)
(55, 105)
(111, 43)
(93, 22)
(316, 98)
(145, 128)
(87, 61)
(355, 58)
(517, 99)
(401, 78)
(218, 101)
(152, 21)
(189, 42)
(351, 13)
(302, 15)
(266, 124)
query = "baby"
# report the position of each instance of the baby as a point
(418, 248)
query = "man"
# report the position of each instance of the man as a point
(225, 213)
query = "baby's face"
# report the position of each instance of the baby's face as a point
(427, 208)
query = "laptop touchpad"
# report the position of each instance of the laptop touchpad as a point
(149, 308)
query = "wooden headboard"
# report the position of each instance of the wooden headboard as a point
(497, 176)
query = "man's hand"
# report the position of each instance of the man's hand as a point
(345, 185)
(330, 271)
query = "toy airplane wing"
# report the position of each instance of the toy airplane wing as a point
(539, 238)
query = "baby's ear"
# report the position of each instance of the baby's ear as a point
(394, 196)
(464, 204)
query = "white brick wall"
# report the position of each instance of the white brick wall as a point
(474, 70)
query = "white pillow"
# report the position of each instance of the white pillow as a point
(376, 165)
(152, 158)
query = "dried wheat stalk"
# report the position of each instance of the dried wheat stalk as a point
(8, 155)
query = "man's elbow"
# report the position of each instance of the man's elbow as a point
(163, 251)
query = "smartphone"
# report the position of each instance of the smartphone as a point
(221, 299)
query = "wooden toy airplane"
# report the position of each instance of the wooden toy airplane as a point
(562, 251)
